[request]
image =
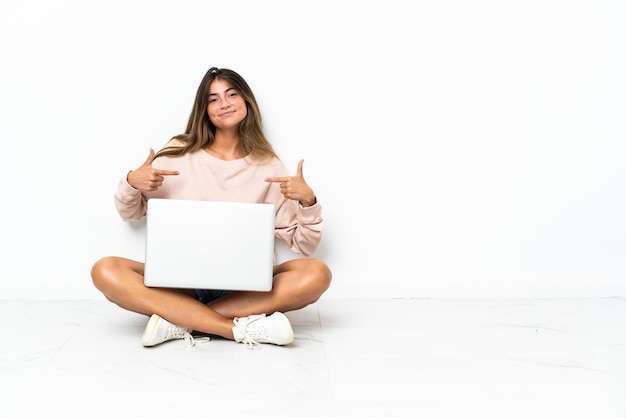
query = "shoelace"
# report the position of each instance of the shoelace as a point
(190, 341)
(248, 337)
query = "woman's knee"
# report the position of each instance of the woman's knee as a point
(107, 272)
(324, 273)
(101, 270)
(300, 282)
(316, 274)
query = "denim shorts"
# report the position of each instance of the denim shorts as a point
(209, 295)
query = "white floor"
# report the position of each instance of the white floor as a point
(530, 358)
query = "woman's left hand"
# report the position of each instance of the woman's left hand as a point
(295, 188)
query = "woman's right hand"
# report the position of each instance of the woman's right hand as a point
(146, 178)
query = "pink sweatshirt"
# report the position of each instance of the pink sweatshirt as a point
(204, 177)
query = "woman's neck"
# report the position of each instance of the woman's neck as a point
(225, 147)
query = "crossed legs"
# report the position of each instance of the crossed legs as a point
(297, 283)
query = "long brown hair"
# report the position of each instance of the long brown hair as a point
(201, 132)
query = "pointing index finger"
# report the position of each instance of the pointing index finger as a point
(276, 179)
(166, 172)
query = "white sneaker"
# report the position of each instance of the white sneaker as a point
(159, 330)
(256, 329)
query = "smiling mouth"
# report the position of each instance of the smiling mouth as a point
(226, 113)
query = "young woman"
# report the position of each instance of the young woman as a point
(223, 156)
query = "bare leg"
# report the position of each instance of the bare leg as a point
(121, 281)
(297, 283)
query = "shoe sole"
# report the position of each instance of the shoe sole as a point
(147, 333)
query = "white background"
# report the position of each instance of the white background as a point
(462, 149)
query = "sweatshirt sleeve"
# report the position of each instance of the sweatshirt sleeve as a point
(299, 227)
(130, 203)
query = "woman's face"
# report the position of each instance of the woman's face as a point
(226, 107)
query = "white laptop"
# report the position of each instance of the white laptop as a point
(209, 245)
